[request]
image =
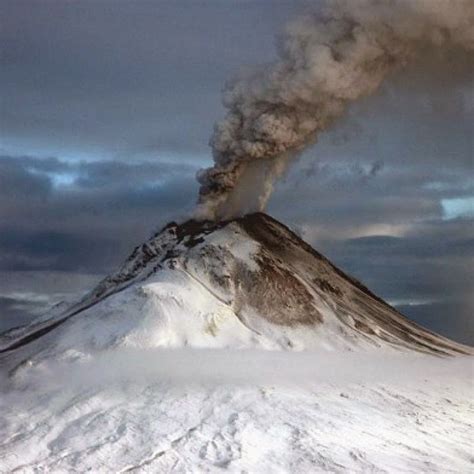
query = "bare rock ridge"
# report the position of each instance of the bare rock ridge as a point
(246, 282)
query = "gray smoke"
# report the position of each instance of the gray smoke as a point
(326, 61)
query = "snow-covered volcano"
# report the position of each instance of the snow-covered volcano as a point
(248, 282)
(349, 384)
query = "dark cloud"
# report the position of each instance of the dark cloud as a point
(451, 318)
(24, 250)
(15, 181)
(89, 78)
(15, 312)
(409, 268)
(84, 216)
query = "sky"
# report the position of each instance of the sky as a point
(105, 116)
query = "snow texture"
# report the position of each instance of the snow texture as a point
(247, 411)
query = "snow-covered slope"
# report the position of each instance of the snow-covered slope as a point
(196, 411)
(116, 382)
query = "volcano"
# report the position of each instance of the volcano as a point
(247, 282)
(97, 387)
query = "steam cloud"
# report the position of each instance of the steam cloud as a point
(326, 61)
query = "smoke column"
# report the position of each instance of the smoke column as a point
(326, 61)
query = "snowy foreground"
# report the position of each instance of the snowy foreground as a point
(240, 411)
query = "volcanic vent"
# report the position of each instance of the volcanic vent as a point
(246, 282)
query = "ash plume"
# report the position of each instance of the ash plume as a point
(326, 61)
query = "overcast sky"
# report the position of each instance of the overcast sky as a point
(106, 112)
